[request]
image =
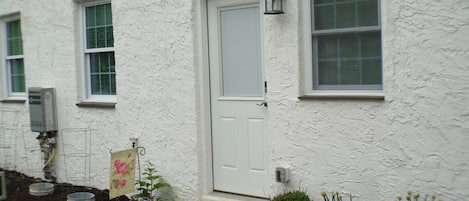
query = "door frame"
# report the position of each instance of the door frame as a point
(201, 62)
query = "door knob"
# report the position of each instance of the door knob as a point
(264, 103)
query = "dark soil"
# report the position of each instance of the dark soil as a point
(18, 190)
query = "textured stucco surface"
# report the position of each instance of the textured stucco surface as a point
(156, 98)
(415, 139)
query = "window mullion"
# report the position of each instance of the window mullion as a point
(98, 50)
(335, 15)
(14, 57)
(346, 30)
(356, 13)
(95, 28)
(360, 58)
(339, 62)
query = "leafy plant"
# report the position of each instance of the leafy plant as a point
(416, 197)
(335, 196)
(149, 187)
(292, 196)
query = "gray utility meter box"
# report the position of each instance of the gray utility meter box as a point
(42, 109)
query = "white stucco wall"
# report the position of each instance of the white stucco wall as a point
(50, 56)
(413, 140)
(154, 46)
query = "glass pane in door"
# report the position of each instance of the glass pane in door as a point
(240, 52)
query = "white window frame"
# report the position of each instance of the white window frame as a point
(6, 59)
(307, 76)
(86, 58)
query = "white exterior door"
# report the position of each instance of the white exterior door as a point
(240, 156)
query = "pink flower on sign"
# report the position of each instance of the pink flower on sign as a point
(121, 167)
(122, 183)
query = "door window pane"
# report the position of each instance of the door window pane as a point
(240, 52)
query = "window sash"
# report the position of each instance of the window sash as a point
(337, 17)
(99, 42)
(16, 76)
(315, 34)
(98, 31)
(13, 38)
(13, 58)
(101, 73)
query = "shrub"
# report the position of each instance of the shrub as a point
(292, 196)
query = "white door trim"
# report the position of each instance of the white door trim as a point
(201, 60)
(239, 137)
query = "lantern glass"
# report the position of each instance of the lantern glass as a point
(273, 7)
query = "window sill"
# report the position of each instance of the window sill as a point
(218, 196)
(342, 94)
(14, 100)
(96, 104)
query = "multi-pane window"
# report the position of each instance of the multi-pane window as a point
(346, 38)
(14, 58)
(99, 50)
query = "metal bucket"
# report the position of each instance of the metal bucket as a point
(80, 196)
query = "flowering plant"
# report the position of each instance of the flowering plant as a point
(416, 197)
(335, 196)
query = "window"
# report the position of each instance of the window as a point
(99, 50)
(346, 45)
(14, 59)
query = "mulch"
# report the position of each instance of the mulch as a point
(18, 189)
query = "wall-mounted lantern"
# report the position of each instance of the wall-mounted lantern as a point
(273, 7)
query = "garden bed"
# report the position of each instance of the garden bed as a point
(18, 189)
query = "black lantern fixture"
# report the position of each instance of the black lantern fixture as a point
(273, 7)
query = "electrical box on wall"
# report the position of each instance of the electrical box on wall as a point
(282, 174)
(42, 109)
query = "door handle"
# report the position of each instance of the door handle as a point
(264, 103)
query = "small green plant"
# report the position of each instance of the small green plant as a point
(148, 188)
(415, 196)
(292, 196)
(335, 196)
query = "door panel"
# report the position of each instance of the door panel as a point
(256, 144)
(239, 139)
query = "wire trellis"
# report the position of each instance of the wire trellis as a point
(77, 149)
(32, 151)
(8, 137)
